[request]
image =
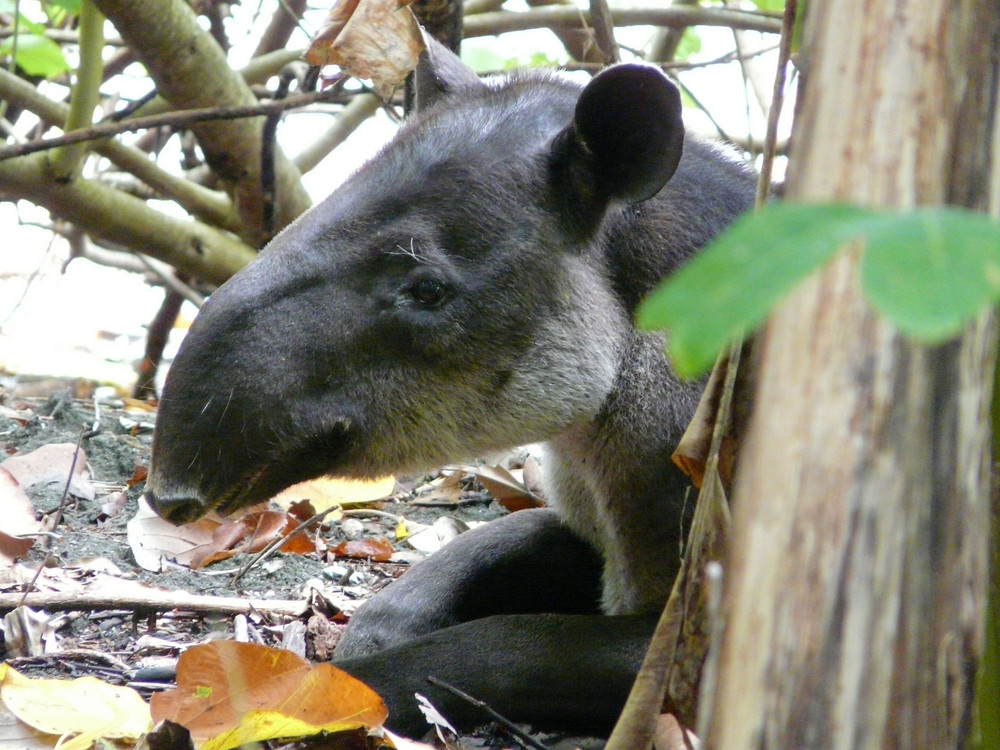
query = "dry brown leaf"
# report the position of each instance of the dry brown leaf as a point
(18, 518)
(509, 490)
(691, 454)
(379, 40)
(50, 464)
(139, 475)
(231, 693)
(379, 550)
(113, 503)
(429, 539)
(446, 489)
(156, 544)
(707, 542)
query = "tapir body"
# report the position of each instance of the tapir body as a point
(472, 288)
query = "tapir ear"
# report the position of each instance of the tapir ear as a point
(628, 120)
(440, 72)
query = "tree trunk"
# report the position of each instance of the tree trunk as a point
(855, 591)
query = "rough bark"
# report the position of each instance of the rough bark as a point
(856, 585)
(191, 71)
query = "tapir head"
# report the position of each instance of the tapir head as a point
(450, 298)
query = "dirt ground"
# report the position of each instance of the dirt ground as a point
(127, 645)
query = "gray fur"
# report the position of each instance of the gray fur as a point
(322, 357)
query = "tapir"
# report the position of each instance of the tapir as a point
(473, 288)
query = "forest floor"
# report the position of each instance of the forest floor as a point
(97, 611)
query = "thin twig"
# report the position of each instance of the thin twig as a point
(182, 118)
(57, 515)
(60, 36)
(777, 100)
(604, 31)
(165, 274)
(510, 726)
(28, 588)
(280, 542)
(561, 17)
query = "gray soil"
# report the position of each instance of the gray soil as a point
(106, 643)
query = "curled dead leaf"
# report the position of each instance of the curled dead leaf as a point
(379, 40)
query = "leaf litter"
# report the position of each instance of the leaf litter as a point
(99, 602)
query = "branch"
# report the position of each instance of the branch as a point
(189, 246)
(604, 31)
(178, 119)
(554, 17)
(287, 16)
(472, 7)
(63, 36)
(259, 69)
(191, 72)
(208, 205)
(156, 599)
(68, 160)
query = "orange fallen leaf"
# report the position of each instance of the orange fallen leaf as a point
(379, 550)
(231, 693)
(139, 475)
(251, 533)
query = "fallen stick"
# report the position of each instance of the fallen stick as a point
(151, 599)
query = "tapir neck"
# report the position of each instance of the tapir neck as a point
(613, 481)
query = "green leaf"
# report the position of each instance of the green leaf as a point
(931, 271)
(36, 55)
(70, 6)
(730, 286)
(776, 6)
(690, 44)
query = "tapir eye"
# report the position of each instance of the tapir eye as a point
(428, 292)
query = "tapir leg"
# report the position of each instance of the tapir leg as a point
(508, 613)
(571, 672)
(521, 563)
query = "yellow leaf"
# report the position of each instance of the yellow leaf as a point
(15, 733)
(327, 491)
(82, 706)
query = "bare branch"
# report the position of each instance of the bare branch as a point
(191, 72)
(286, 18)
(190, 246)
(559, 17)
(181, 119)
(777, 102)
(68, 160)
(208, 205)
(604, 31)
